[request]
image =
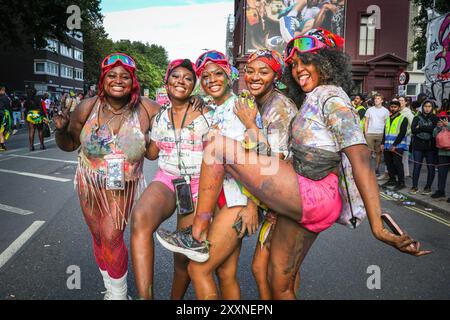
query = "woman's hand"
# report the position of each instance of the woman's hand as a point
(246, 113)
(197, 103)
(249, 216)
(403, 243)
(61, 120)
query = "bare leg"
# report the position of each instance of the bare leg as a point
(270, 179)
(31, 135)
(290, 244)
(156, 204)
(41, 135)
(260, 266)
(227, 274)
(181, 278)
(223, 243)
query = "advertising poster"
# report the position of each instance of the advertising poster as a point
(273, 23)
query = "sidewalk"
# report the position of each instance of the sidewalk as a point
(424, 200)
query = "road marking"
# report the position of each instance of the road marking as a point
(34, 175)
(430, 215)
(27, 148)
(22, 212)
(5, 159)
(19, 242)
(41, 158)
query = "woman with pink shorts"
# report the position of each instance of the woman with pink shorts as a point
(177, 141)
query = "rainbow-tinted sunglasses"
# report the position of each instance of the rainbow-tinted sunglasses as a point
(302, 44)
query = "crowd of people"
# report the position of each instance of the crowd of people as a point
(405, 133)
(32, 110)
(262, 160)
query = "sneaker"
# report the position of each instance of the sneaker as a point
(383, 176)
(390, 183)
(182, 242)
(426, 191)
(15, 131)
(438, 194)
(399, 186)
(413, 190)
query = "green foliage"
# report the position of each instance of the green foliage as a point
(420, 22)
(151, 61)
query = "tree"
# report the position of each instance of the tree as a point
(25, 23)
(420, 22)
(151, 61)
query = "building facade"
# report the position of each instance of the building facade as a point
(377, 37)
(55, 69)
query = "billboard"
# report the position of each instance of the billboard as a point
(272, 23)
(437, 61)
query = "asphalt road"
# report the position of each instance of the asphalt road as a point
(43, 234)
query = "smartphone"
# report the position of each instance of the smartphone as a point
(183, 195)
(393, 226)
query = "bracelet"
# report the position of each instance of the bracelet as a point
(249, 145)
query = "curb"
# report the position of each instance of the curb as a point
(421, 201)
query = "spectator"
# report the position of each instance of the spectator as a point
(71, 102)
(394, 144)
(376, 118)
(424, 145)
(443, 154)
(357, 103)
(5, 110)
(16, 108)
(407, 113)
(415, 106)
(80, 97)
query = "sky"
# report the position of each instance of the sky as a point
(184, 27)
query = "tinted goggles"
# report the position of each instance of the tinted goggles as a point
(302, 44)
(123, 58)
(214, 56)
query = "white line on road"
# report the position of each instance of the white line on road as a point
(34, 175)
(26, 148)
(22, 212)
(19, 242)
(40, 158)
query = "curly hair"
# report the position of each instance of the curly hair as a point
(334, 68)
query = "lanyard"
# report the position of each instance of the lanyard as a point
(178, 141)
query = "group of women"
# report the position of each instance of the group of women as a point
(225, 168)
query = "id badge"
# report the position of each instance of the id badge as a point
(115, 172)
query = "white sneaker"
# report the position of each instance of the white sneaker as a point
(107, 282)
(15, 131)
(383, 176)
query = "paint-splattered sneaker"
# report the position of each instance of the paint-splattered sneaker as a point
(183, 242)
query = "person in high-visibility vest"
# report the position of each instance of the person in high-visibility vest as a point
(357, 103)
(394, 143)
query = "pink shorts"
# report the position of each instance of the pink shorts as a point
(321, 202)
(166, 179)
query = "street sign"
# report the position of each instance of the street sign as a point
(403, 78)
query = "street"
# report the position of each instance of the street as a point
(42, 234)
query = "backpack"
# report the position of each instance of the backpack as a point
(443, 139)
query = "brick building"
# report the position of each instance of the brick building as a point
(55, 69)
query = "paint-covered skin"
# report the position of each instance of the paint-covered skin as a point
(327, 120)
(96, 143)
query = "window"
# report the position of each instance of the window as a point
(39, 67)
(79, 74)
(52, 45)
(78, 55)
(46, 67)
(66, 72)
(366, 36)
(66, 51)
(52, 68)
(411, 89)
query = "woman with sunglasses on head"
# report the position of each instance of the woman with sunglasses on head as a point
(216, 78)
(177, 140)
(110, 132)
(262, 71)
(304, 192)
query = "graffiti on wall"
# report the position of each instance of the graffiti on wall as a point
(437, 62)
